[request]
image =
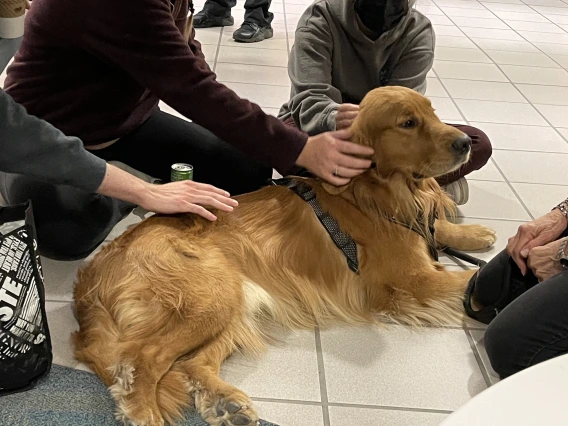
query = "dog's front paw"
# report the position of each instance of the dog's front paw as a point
(475, 237)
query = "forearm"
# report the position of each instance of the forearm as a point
(314, 99)
(33, 147)
(156, 55)
(124, 186)
(313, 114)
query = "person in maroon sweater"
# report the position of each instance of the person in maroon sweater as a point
(96, 69)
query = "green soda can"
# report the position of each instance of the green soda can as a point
(181, 171)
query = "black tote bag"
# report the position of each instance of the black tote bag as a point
(25, 343)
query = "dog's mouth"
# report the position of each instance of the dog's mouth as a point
(443, 168)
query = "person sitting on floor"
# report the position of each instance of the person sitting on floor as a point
(534, 327)
(345, 48)
(96, 69)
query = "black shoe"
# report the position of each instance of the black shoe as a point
(251, 33)
(204, 19)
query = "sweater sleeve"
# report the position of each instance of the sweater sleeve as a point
(415, 62)
(35, 148)
(314, 100)
(141, 38)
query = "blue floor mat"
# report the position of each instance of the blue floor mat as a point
(69, 397)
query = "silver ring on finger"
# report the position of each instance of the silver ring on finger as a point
(336, 171)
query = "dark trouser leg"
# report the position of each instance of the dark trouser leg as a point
(480, 153)
(219, 8)
(532, 329)
(70, 223)
(165, 139)
(257, 12)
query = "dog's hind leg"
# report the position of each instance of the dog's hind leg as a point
(145, 381)
(142, 367)
(219, 403)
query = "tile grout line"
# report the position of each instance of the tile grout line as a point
(348, 405)
(390, 408)
(511, 28)
(450, 96)
(477, 356)
(513, 189)
(531, 6)
(218, 49)
(286, 28)
(490, 63)
(532, 44)
(322, 379)
(542, 116)
(522, 94)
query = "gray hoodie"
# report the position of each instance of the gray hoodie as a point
(33, 147)
(334, 62)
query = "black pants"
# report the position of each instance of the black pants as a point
(532, 329)
(256, 11)
(71, 223)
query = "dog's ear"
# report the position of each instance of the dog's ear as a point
(334, 190)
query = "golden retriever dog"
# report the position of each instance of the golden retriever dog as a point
(162, 306)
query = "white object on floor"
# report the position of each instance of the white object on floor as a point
(535, 396)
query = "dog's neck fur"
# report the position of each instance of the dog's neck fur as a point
(397, 196)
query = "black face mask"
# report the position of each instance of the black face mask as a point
(381, 16)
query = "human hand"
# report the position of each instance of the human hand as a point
(537, 233)
(543, 261)
(186, 197)
(346, 114)
(333, 158)
(28, 5)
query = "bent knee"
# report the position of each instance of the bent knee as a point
(502, 347)
(481, 147)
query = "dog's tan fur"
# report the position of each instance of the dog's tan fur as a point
(162, 306)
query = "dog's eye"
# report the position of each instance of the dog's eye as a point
(409, 124)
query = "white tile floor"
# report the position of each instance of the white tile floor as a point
(501, 66)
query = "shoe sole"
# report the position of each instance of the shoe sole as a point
(464, 193)
(217, 22)
(262, 36)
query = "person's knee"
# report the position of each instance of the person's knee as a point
(70, 223)
(501, 347)
(481, 148)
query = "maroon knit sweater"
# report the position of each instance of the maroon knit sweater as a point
(97, 68)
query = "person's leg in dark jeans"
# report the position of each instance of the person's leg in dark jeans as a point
(532, 329)
(256, 26)
(165, 139)
(215, 13)
(70, 223)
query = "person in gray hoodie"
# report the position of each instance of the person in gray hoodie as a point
(345, 48)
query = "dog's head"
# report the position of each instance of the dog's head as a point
(407, 136)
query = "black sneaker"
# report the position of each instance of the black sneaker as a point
(204, 19)
(252, 33)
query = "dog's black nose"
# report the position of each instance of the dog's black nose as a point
(462, 144)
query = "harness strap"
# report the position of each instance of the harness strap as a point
(431, 242)
(342, 240)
